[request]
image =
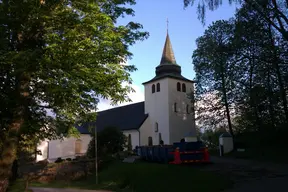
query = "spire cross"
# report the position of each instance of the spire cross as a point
(167, 25)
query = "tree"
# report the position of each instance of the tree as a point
(272, 11)
(59, 56)
(210, 112)
(248, 58)
(110, 141)
(211, 137)
(212, 66)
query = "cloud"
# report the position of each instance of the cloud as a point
(136, 96)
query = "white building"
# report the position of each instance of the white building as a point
(166, 114)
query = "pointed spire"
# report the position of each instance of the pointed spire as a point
(168, 54)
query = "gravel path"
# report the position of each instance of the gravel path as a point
(251, 176)
(35, 189)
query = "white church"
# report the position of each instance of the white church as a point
(166, 114)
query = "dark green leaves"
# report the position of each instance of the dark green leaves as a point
(72, 51)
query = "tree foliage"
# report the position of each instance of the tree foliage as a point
(245, 60)
(212, 66)
(59, 56)
(273, 12)
(109, 141)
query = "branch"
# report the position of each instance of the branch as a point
(283, 32)
(45, 107)
(279, 12)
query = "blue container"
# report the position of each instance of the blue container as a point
(194, 146)
(164, 154)
(189, 146)
(148, 155)
(156, 153)
(144, 153)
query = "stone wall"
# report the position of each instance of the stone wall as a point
(64, 171)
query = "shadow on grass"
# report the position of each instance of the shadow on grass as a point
(142, 176)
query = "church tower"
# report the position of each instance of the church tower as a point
(170, 111)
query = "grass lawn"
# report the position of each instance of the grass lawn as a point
(149, 177)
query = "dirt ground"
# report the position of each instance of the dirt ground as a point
(251, 176)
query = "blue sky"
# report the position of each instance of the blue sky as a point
(184, 28)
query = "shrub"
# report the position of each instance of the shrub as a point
(68, 159)
(109, 141)
(59, 160)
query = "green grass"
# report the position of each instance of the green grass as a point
(18, 186)
(149, 177)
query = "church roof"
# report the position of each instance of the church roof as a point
(170, 75)
(128, 117)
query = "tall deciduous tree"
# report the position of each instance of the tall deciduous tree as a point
(255, 56)
(212, 66)
(60, 56)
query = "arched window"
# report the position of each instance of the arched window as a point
(158, 87)
(187, 109)
(153, 88)
(178, 86)
(183, 87)
(156, 127)
(78, 146)
(150, 141)
(175, 107)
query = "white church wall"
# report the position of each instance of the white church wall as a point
(134, 137)
(181, 123)
(156, 105)
(145, 131)
(43, 148)
(63, 148)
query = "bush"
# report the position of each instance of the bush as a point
(68, 159)
(59, 160)
(109, 141)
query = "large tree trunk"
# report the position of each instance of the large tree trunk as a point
(270, 95)
(9, 154)
(224, 91)
(252, 98)
(10, 145)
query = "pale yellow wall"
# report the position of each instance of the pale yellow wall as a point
(146, 130)
(134, 137)
(62, 148)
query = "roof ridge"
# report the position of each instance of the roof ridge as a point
(117, 107)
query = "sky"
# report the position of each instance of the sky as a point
(184, 28)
